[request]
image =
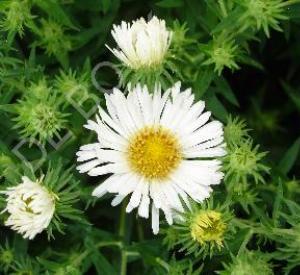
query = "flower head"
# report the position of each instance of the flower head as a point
(208, 226)
(155, 146)
(142, 44)
(201, 230)
(30, 206)
(41, 204)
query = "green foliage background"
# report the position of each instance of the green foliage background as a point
(48, 48)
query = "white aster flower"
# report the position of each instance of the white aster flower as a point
(157, 147)
(141, 44)
(30, 206)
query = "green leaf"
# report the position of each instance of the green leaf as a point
(293, 95)
(85, 36)
(277, 204)
(251, 62)
(290, 157)
(150, 251)
(170, 3)
(3, 5)
(105, 5)
(294, 11)
(224, 89)
(90, 5)
(54, 10)
(229, 22)
(203, 82)
(9, 108)
(216, 107)
(102, 265)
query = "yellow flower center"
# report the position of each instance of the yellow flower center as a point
(208, 226)
(154, 153)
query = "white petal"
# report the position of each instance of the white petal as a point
(209, 131)
(117, 200)
(155, 219)
(101, 189)
(206, 153)
(143, 210)
(85, 155)
(204, 145)
(135, 197)
(171, 196)
(117, 181)
(107, 169)
(129, 186)
(88, 166)
(156, 194)
(168, 214)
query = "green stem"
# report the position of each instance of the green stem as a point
(163, 264)
(123, 263)
(140, 230)
(133, 254)
(82, 256)
(111, 243)
(290, 2)
(119, 244)
(122, 229)
(122, 223)
(245, 241)
(256, 228)
(223, 8)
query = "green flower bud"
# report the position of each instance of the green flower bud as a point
(71, 85)
(248, 263)
(262, 14)
(179, 267)
(180, 39)
(243, 162)
(201, 230)
(68, 270)
(25, 266)
(221, 52)
(207, 226)
(53, 39)
(42, 120)
(16, 14)
(235, 132)
(39, 114)
(289, 242)
(38, 89)
(6, 257)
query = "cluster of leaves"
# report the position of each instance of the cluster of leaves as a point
(230, 53)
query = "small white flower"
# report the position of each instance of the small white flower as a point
(31, 207)
(142, 44)
(155, 146)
